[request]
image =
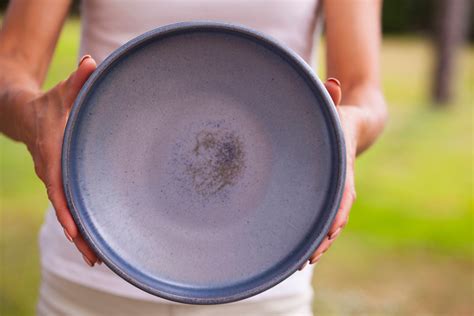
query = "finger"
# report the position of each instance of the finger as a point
(343, 213)
(334, 88)
(323, 247)
(315, 257)
(71, 87)
(62, 212)
(57, 197)
(86, 67)
(347, 200)
(337, 226)
(89, 256)
(339, 222)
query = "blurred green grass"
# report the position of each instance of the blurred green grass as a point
(408, 246)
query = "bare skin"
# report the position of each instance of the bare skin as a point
(37, 118)
(353, 34)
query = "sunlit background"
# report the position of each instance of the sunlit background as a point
(408, 247)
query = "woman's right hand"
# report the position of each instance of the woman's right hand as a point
(45, 131)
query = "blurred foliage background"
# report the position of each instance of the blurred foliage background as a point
(408, 247)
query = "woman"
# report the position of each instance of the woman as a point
(37, 118)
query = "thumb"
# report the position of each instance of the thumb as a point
(72, 86)
(334, 88)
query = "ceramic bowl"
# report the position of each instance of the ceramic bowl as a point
(203, 162)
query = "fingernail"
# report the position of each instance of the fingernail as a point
(67, 235)
(304, 265)
(89, 263)
(335, 81)
(84, 58)
(316, 259)
(335, 234)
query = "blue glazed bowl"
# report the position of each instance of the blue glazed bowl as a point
(203, 162)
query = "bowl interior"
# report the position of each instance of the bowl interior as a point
(202, 164)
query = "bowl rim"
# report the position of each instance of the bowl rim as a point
(332, 200)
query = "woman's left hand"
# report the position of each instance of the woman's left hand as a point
(348, 116)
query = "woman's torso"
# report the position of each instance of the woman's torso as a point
(106, 25)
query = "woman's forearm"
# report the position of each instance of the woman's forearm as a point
(353, 34)
(17, 87)
(28, 36)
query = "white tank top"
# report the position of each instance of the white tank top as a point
(106, 25)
